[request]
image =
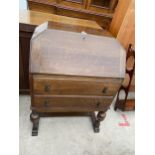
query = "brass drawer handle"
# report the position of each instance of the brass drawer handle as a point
(46, 103)
(47, 88)
(105, 90)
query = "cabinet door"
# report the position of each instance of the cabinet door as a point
(80, 4)
(100, 3)
(102, 6)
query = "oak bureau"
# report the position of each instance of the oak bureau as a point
(73, 73)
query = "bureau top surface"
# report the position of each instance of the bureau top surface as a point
(70, 53)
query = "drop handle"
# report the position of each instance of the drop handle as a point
(47, 87)
(105, 90)
(46, 103)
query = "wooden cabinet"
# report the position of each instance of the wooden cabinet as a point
(72, 3)
(82, 75)
(25, 34)
(99, 10)
(28, 21)
(105, 6)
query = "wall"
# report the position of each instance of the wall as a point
(23, 4)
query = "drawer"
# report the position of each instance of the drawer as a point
(75, 86)
(70, 103)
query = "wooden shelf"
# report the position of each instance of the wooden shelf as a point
(79, 9)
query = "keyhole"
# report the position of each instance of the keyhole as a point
(105, 89)
(98, 104)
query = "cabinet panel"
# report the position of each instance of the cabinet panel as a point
(72, 3)
(24, 47)
(102, 6)
(103, 21)
(42, 7)
(84, 9)
(100, 3)
(21, 69)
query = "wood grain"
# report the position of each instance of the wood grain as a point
(94, 56)
(126, 34)
(70, 103)
(118, 16)
(76, 28)
(123, 26)
(27, 23)
(24, 47)
(72, 71)
(65, 85)
(37, 18)
(102, 15)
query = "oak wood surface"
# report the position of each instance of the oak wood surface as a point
(74, 28)
(102, 16)
(65, 85)
(129, 105)
(94, 56)
(70, 103)
(28, 20)
(123, 26)
(101, 19)
(81, 90)
(37, 18)
(126, 34)
(118, 17)
(72, 71)
(81, 7)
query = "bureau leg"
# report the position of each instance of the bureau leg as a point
(97, 119)
(35, 120)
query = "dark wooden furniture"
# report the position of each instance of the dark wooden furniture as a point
(25, 34)
(27, 23)
(124, 103)
(73, 72)
(99, 10)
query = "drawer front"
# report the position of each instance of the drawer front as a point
(70, 103)
(75, 86)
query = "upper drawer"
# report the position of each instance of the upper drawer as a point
(56, 85)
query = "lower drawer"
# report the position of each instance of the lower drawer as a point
(70, 103)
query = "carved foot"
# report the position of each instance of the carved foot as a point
(35, 120)
(96, 120)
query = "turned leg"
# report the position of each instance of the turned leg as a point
(97, 119)
(35, 120)
(115, 106)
